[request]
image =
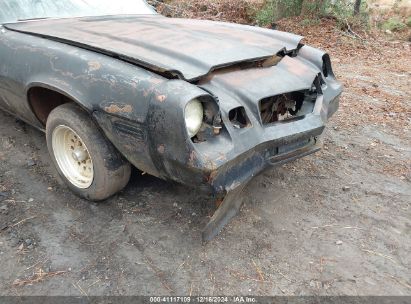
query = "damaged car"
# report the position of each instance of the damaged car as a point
(206, 104)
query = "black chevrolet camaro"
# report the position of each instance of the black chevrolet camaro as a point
(207, 104)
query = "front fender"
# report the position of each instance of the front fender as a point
(169, 141)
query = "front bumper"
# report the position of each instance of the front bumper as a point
(256, 150)
(256, 161)
(287, 142)
(222, 166)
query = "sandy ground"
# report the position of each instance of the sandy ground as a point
(334, 223)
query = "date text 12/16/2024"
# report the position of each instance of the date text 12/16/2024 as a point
(200, 299)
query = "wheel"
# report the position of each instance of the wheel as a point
(88, 163)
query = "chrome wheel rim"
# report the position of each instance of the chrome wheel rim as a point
(73, 157)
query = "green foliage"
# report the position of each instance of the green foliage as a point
(266, 15)
(394, 24)
(341, 10)
(315, 8)
(277, 9)
(408, 22)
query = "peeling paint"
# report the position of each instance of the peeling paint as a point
(94, 66)
(161, 149)
(118, 108)
(192, 158)
(161, 98)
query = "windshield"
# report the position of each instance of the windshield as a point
(17, 10)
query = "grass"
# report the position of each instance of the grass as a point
(394, 24)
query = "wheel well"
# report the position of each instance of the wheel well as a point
(43, 101)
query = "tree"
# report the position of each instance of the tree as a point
(357, 7)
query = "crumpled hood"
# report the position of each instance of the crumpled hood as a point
(186, 48)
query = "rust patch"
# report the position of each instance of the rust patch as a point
(296, 68)
(222, 157)
(118, 108)
(192, 158)
(272, 61)
(94, 66)
(219, 202)
(161, 149)
(211, 177)
(161, 98)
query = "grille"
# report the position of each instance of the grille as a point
(287, 106)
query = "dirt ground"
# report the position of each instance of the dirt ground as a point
(334, 223)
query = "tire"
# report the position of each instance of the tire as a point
(87, 162)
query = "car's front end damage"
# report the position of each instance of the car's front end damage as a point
(255, 118)
(216, 103)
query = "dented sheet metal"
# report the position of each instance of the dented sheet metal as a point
(188, 49)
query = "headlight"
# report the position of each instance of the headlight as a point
(194, 114)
